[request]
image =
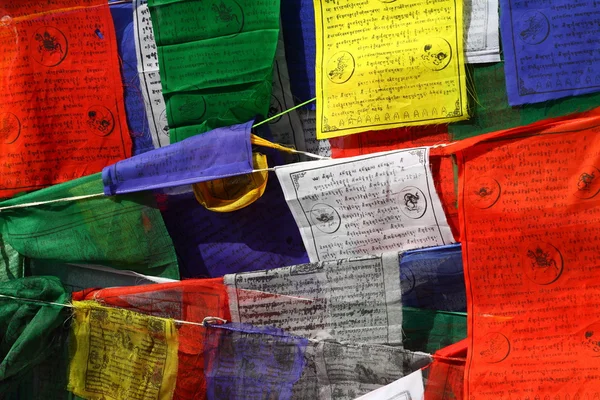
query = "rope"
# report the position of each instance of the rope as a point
(207, 320)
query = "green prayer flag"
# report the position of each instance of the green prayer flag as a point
(216, 61)
(429, 330)
(12, 264)
(123, 232)
(29, 329)
(491, 112)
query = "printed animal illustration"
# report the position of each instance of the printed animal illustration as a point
(436, 58)
(7, 127)
(48, 44)
(484, 191)
(224, 13)
(339, 70)
(98, 121)
(541, 259)
(585, 181)
(365, 374)
(324, 217)
(592, 342)
(535, 27)
(411, 201)
(273, 110)
(494, 346)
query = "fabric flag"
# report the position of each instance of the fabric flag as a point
(12, 264)
(190, 300)
(442, 167)
(365, 205)
(286, 129)
(433, 279)
(137, 120)
(298, 26)
(216, 61)
(220, 153)
(420, 77)
(549, 50)
(482, 39)
(62, 114)
(260, 236)
(49, 379)
(490, 110)
(429, 330)
(149, 75)
(408, 388)
(309, 125)
(237, 192)
(125, 233)
(29, 328)
(529, 210)
(121, 354)
(245, 362)
(346, 371)
(355, 300)
(446, 375)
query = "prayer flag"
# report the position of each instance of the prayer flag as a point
(382, 65)
(220, 153)
(216, 61)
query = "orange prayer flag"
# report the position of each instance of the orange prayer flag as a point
(446, 373)
(529, 204)
(62, 114)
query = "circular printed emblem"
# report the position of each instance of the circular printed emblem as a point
(325, 218)
(495, 347)
(413, 202)
(100, 120)
(49, 46)
(163, 124)
(10, 128)
(340, 67)
(586, 182)
(483, 192)
(542, 263)
(274, 109)
(436, 54)
(190, 107)
(229, 14)
(533, 27)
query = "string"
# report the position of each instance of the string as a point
(39, 203)
(90, 196)
(207, 322)
(284, 112)
(204, 323)
(257, 140)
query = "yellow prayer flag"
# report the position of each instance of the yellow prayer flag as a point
(384, 64)
(122, 355)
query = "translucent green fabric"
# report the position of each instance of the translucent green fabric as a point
(29, 330)
(12, 264)
(124, 232)
(429, 331)
(216, 61)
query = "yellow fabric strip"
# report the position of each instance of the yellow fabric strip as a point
(231, 194)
